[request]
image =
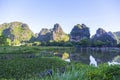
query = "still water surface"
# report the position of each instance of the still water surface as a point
(88, 56)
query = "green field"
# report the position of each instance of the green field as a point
(23, 63)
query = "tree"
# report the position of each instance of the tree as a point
(84, 42)
(36, 43)
(16, 42)
(9, 42)
(68, 44)
(43, 43)
(3, 40)
(98, 43)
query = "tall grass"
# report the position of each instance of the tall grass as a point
(31, 69)
(25, 68)
(86, 72)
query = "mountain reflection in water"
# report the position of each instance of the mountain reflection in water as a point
(89, 56)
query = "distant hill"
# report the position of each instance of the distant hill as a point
(16, 31)
(54, 34)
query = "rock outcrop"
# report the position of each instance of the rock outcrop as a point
(115, 35)
(16, 31)
(103, 36)
(79, 32)
(44, 35)
(55, 34)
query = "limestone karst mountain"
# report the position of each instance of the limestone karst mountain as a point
(16, 31)
(115, 35)
(79, 32)
(104, 36)
(55, 34)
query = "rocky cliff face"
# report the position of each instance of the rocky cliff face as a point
(103, 36)
(79, 32)
(44, 35)
(55, 34)
(115, 35)
(16, 31)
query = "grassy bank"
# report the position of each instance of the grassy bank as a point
(16, 65)
(27, 49)
(36, 68)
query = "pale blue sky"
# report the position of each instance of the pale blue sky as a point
(45, 13)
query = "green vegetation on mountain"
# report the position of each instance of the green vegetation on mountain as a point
(55, 35)
(3, 40)
(17, 32)
(116, 36)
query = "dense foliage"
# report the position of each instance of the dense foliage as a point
(16, 32)
(3, 40)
